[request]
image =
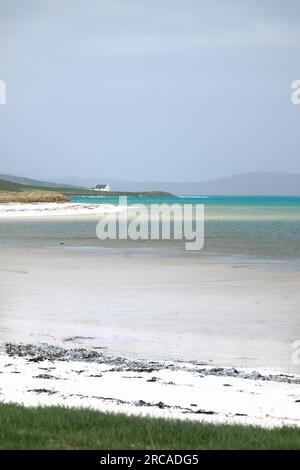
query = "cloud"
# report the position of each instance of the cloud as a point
(141, 27)
(204, 82)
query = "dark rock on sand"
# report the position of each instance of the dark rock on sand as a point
(43, 390)
(46, 352)
(205, 412)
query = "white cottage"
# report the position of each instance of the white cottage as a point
(101, 187)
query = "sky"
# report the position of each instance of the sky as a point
(159, 90)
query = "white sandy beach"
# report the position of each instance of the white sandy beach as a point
(182, 391)
(50, 209)
(187, 310)
(152, 307)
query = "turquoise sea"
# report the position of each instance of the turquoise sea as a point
(260, 227)
(232, 201)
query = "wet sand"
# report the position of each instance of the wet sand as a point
(156, 308)
(158, 334)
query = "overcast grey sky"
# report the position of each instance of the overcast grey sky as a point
(149, 89)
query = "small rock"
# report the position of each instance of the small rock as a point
(153, 379)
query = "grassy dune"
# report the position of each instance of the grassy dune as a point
(31, 196)
(61, 428)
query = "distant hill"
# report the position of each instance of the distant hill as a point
(246, 184)
(30, 182)
(9, 186)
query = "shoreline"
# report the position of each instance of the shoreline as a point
(42, 209)
(45, 375)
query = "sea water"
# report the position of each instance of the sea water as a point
(263, 227)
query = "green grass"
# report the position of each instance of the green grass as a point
(8, 186)
(62, 428)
